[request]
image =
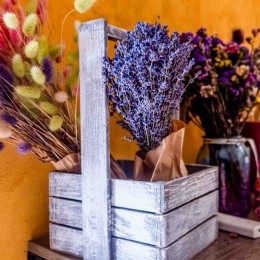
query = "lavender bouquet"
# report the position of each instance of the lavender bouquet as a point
(219, 101)
(145, 83)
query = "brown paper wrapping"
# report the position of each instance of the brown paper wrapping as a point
(70, 163)
(115, 169)
(165, 162)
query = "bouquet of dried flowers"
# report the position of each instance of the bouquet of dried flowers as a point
(220, 99)
(145, 85)
(38, 85)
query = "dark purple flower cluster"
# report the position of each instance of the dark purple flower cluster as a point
(145, 81)
(24, 148)
(225, 91)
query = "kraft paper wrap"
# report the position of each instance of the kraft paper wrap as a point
(72, 163)
(165, 162)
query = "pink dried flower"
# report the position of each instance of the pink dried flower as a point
(3, 42)
(16, 37)
(42, 11)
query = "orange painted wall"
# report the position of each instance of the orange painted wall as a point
(24, 179)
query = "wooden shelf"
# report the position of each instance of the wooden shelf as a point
(41, 248)
(223, 248)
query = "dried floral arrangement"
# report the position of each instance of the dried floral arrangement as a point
(220, 99)
(145, 83)
(38, 83)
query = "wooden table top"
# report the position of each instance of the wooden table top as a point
(224, 248)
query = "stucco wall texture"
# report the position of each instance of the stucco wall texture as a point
(24, 179)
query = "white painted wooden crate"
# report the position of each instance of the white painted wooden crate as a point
(149, 220)
(103, 219)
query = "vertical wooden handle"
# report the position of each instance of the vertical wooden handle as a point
(95, 152)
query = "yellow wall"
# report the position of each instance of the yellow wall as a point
(24, 179)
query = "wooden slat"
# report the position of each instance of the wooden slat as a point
(184, 248)
(95, 152)
(158, 230)
(162, 230)
(145, 196)
(65, 212)
(68, 240)
(65, 185)
(182, 190)
(115, 33)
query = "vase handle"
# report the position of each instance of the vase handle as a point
(252, 145)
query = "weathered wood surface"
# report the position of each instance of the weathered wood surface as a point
(95, 152)
(146, 196)
(185, 189)
(224, 248)
(184, 248)
(115, 33)
(65, 185)
(66, 239)
(158, 230)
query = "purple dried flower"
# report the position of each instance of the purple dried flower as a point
(48, 69)
(24, 148)
(229, 69)
(2, 146)
(145, 81)
(9, 119)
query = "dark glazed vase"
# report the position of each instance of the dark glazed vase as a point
(232, 157)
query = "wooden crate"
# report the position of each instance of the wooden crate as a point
(103, 219)
(155, 220)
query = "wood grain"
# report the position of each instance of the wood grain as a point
(41, 248)
(68, 240)
(95, 151)
(158, 230)
(146, 196)
(184, 248)
(115, 33)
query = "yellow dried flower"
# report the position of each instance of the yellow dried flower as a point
(31, 49)
(83, 5)
(43, 49)
(28, 91)
(30, 24)
(37, 75)
(11, 21)
(49, 108)
(61, 96)
(18, 66)
(55, 123)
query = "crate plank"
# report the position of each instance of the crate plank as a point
(65, 185)
(146, 196)
(66, 239)
(115, 33)
(158, 230)
(95, 152)
(182, 190)
(185, 248)
(65, 212)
